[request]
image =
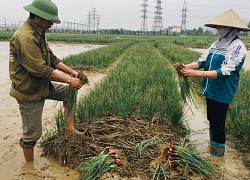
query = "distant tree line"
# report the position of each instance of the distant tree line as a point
(121, 31)
(191, 32)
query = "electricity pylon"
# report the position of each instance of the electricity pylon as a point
(184, 18)
(144, 26)
(158, 25)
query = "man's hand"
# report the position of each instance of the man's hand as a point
(74, 73)
(83, 77)
(75, 82)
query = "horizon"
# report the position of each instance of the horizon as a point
(127, 15)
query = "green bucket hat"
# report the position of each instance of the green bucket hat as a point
(45, 9)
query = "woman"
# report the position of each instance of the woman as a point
(222, 63)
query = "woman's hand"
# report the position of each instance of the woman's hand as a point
(189, 72)
(196, 73)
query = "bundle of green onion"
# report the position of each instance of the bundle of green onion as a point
(184, 84)
(141, 147)
(185, 156)
(73, 91)
(96, 166)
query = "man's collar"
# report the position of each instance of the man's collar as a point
(36, 27)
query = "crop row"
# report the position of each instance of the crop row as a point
(143, 82)
(100, 58)
(239, 112)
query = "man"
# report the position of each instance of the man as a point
(32, 67)
(222, 63)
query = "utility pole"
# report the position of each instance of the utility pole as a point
(94, 19)
(184, 18)
(5, 21)
(144, 27)
(158, 25)
(97, 22)
(89, 21)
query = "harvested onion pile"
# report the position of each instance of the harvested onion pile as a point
(185, 156)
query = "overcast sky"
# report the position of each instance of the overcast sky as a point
(127, 13)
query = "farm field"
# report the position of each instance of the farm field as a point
(123, 57)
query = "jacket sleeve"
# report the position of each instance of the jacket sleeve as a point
(30, 57)
(53, 58)
(234, 59)
(201, 61)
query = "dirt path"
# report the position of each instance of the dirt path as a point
(12, 164)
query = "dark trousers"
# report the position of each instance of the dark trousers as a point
(216, 115)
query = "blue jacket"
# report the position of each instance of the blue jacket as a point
(227, 63)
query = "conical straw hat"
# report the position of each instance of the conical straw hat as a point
(229, 19)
